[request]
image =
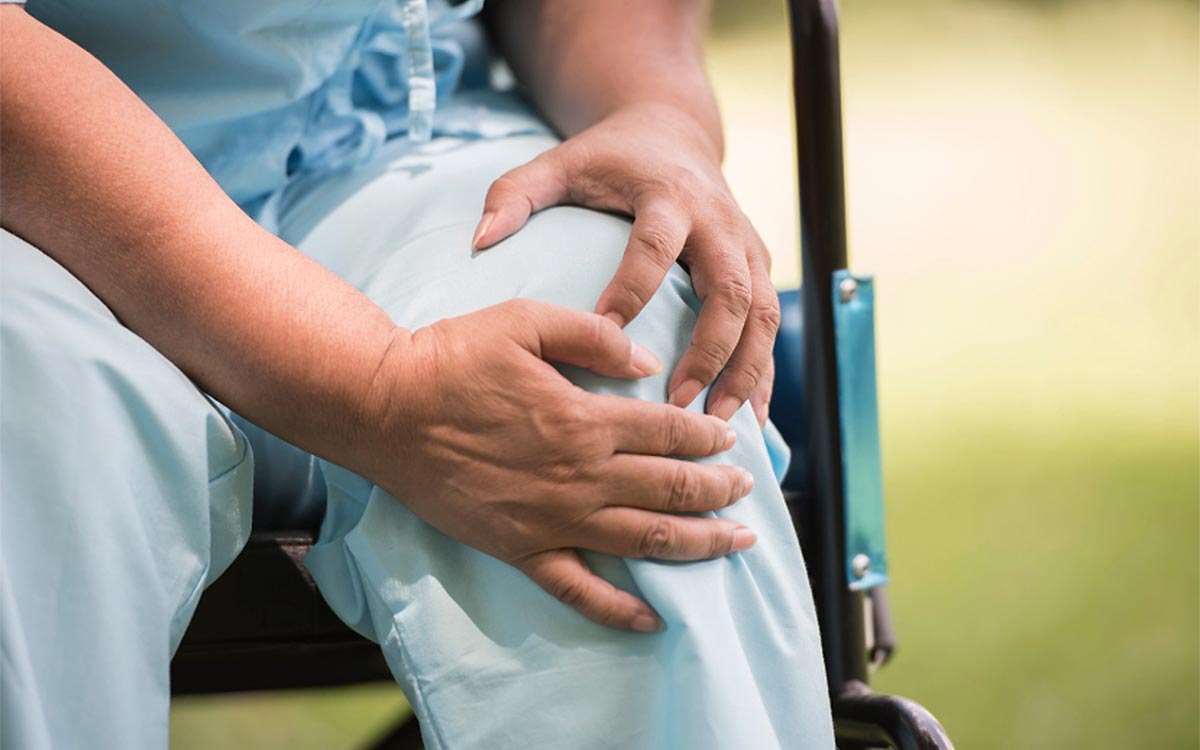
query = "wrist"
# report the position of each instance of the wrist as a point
(690, 122)
(384, 405)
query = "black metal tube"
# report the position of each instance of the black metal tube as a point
(817, 89)
(864, 719)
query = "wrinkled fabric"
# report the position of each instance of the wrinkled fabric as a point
(263, 92)
(473, 642)
(123, 493)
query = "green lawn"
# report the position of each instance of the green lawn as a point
(1023, 180)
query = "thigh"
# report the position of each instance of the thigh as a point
(123, 491)
(486, 657)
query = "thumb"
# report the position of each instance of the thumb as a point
(582, 339)
(516, 194)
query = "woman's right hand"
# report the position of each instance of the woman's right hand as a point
(486, 441)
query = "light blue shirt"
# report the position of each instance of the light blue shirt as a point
(264, 92)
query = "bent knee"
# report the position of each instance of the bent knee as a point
(568, 256)
(565, 255)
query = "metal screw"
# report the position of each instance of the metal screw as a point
(848, 289)
(860, 565)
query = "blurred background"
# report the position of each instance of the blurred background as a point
(1024, 181)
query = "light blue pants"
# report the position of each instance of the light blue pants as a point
(125, 491)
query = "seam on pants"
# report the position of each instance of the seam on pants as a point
(201, 578)
(245, 445)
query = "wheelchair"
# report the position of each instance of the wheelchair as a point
(264, 626)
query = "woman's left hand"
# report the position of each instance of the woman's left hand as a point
(657, 164)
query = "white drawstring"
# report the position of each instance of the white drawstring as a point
(422, 86)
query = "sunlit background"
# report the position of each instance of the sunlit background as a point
(1024, 181)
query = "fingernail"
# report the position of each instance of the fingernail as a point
(647, 624)
(686, 393)
(730, 438)
(484, 224)
(761, 413)
(644, 360)
(616, 317)
(743, 539)
(747, 482)
(725, 407)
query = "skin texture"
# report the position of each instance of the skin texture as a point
(645, 141)
(454, 415)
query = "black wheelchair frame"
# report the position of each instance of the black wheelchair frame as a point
(862, 719)
(263, 625)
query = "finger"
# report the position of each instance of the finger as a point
(583, 339)
(563, 574)
(516, 194)
(631, 532)
(722, 282)
(673, 485)
(661, 429)
(752, 357)
(760, 399)
(655, 241)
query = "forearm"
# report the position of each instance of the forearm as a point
(581, 61)
(95, 180)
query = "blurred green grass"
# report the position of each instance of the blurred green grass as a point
(1023, 179)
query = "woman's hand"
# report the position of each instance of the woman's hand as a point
(503, 453)
(657, 164)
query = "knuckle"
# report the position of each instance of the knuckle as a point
(506, 185)
(767, 380)
(672, 434)
(739, 383)
(571, 591)
(657, 539)
(768, 316)
(594, 333)
(720, 432)
(568, 438)
(576, 425)
(635, 291)
(510, 540)
(687, 183)
(736, 293)
(720, 542)
(734, 488)
(744, 374)
(684, 489)
(503, 189)
(659, 242)
(709, 357)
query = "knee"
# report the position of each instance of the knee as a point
(565, 255)
(569, 255)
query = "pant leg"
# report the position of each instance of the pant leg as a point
(486, 658)
(123, 491)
